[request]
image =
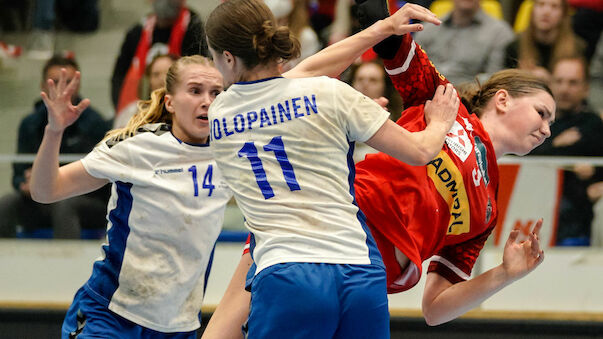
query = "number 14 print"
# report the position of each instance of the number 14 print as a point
(275, 145)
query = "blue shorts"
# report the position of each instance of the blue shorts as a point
(309, 300)
(87, 318)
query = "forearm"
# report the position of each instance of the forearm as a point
(430, 140)
(233, 309)
(334, 59)
(459, 298)
(45, 171)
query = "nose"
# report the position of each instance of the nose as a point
(545, 129)
(206, 100)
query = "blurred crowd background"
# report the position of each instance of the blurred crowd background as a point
(123, 50)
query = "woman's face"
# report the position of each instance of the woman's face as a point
(527, 120)
(197, 88)
(547, 14)
(158, 72)
(369, 80)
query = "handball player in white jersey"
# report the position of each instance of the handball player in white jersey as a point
(285, 149)
(164, 215)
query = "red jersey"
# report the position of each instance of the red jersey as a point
(445, 210)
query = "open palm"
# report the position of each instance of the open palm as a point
(520, 258)
(61, 112)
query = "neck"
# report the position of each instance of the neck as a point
(545, 37)
(495, 135)
(260, 72)
(463, 17)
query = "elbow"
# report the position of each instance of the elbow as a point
(432, 316)
(430, 320)
(40, 196)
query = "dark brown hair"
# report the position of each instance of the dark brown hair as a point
(58, 60)
(248, 30)
(518, 83)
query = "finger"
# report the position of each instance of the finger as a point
(62, 81)
(513, 236)
(540, 257)
(424, 15)
(415, 28)
(52, 89)
(439, 91)
(45, 99)
(537, 227)
(82, 106)
(72, 87)
(535, 245)
(449, 91)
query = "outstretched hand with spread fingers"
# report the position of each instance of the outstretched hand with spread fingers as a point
(61, 111)
(400, 20)
(522, 257)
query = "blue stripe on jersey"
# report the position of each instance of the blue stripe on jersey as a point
(374, 254)
(208, 269)
(105, 274)
(255, 81)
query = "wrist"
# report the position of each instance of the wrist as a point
(48, 130)
(383, 28)
(439, 125)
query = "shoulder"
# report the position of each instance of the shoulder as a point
(142, 135)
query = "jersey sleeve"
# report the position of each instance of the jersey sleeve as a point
(247, 244)
(112, 163)
(413, 74)
(362, 116)
(455, 262)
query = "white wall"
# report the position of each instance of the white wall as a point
(42, 272)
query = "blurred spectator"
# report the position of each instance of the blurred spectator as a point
(14, 15)
(18, 212)
(172, 28)
(576, 132)
(469, 42)
(587, 23)
(294, 13)
(596, 78)
(74, 15)
(154, 78)
(549, 36)
(41, 43)
(370, 79)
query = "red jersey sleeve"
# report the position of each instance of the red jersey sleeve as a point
(413, 74)
(247, 242)
(455, 262)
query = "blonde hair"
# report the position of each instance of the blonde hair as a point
(566, 43)
(153, 110)
(518, 83)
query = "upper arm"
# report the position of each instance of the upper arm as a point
(412, 73)
(74, 180)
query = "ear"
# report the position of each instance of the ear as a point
(169, 104)
(502, 101)
(230, 59)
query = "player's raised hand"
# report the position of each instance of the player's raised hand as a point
(400, 21)
(61, 112)
(520, 258)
